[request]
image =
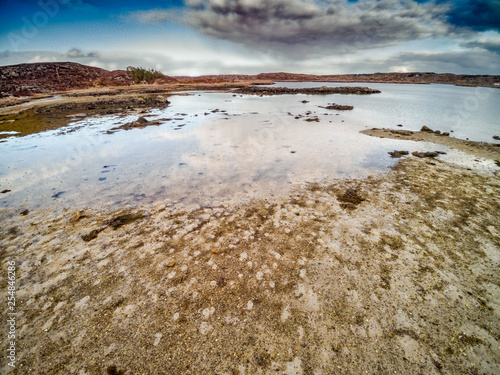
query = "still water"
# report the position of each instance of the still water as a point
(220, 146)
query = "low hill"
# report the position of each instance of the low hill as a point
(28, 79)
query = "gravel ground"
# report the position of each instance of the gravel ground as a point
(393, 274)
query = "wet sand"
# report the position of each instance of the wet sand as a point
(389, 274)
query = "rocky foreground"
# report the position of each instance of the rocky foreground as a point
(393, 274)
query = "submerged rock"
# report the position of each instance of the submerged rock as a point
(338, 107)
(428, 154)
(398, 154)
(350, 199)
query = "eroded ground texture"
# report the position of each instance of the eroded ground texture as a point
(393, 274)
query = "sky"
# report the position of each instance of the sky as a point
(199, 37)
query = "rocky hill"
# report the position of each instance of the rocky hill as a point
(29, 79)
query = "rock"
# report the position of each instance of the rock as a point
(438, 132)
(121, 220)
(204, 217)
(399, 125)
(400, 132)
(171, 264)
(426, 129)
(142, 120)
(496, 137)
(429, 154)
(398, 154)
(113, 370)
(338, 107)
(445, 134)
(25, 212)
(214, 251)
(5, 191)
(91, 235)
(75, 217)
(305, 101)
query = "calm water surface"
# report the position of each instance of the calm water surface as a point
(219, 146)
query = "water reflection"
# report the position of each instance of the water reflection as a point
(215, 147)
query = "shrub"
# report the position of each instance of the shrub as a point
(140, 74)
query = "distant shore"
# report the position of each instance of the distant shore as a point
(393, 273)
(42, 78)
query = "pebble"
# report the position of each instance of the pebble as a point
(158, 337)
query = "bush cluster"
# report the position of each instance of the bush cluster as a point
(141, 74)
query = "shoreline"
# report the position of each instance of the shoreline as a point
(480, 149)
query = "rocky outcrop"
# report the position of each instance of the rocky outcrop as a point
(323, 90)
(338, 107)
(28, 79)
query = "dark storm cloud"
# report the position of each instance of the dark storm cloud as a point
(332, 24)
(476, 14)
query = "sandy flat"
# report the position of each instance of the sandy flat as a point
(393, 274)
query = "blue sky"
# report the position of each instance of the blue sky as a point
(194, 37)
